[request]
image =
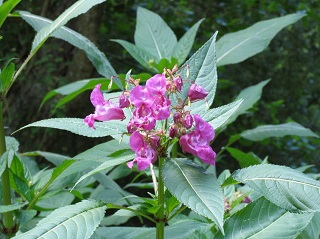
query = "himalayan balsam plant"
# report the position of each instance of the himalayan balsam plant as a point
(164, 130)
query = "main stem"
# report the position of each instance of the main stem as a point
(8, 222)
(160, 215)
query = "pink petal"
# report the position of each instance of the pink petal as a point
(89, 120)
(140, 95)
(196, 92)
(136, 141)
(108, 111)
(96, 96)
(157, 84)
(207, 155)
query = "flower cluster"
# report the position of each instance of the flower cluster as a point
(150, 104)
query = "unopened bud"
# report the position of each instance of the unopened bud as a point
(173, 131)
(177, 118)
(110, 84)
(188, 121)
(188, 71)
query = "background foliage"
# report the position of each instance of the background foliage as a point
(290, 60)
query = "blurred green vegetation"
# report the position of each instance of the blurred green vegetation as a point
(291, 61)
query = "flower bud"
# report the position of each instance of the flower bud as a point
(154, 142)
(178, 83)
(173, 131)
(196, 92)
(188, 121)
(123, 101)
(177, 117)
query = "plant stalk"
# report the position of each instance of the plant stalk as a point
(160, 215)
(8, 221)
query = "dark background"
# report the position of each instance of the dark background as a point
(291, 61)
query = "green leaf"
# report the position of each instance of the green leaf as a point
(74, 221)
(18, 180)
(182, 49)
(203, 71)
(238, 46)
(250, 96)
(6, 8)
(139, 54)
(53, 158)
(312, 231)
(12, 207)
(77, 126)
(74, 89)
(110, 163)
(219, 117)
(101, 153)
(164, 63)
(6, 75)
(98, 59)
(75, 10)
(281, 130)
(179, 230)
(283, 186)
(193, 187)
(244, 159)
(263, 220)
(153, 35)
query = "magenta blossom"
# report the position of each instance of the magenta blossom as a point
(161, 107)
(104, 109)
(140, 95)
(157, 84)
(196, 92)
(144, 118)
(197, 141)
(145, 155)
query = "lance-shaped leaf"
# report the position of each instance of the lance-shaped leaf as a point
(283, 186)
(219, 117)
(109, 163)
(6, 8)
(140, 55)
(195, 188)
(185, 43)
(280, 130)
(12, 207)
(153, 35)
(238, 46)
(313, 229)
(77, 126)
(250, 96)
(179, 230)
(74, 221)
(72, 90)
(263, 220)
(98, 59)
(75, 10)
(202, 70)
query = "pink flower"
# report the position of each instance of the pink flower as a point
(145, 155)
(143, 118)
(196, 92)
(157, 84)
(197, 141)
(104, 109)
(161, 107)
(140, 95)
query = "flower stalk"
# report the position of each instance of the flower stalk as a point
(160, 215)
(8, 222)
